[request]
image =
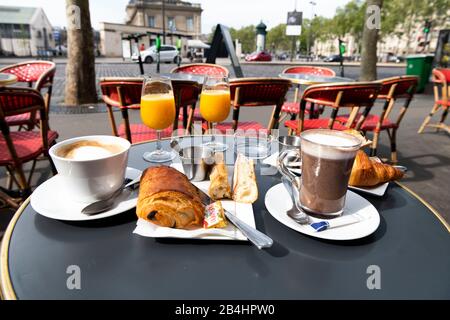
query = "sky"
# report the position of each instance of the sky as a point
(233, 13)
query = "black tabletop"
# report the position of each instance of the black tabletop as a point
(409, 249)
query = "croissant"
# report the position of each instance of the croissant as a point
(369, 173)
(168, 199)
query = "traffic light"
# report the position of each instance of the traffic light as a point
(427, 27)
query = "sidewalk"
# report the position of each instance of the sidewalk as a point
(221, 61)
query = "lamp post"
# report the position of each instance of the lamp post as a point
(309, 40)
(163, 2)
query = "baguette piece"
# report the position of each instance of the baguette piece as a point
(219, 187)
(370, 173)
(168, 199)
(245, 189)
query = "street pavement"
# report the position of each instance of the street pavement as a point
(427, 156)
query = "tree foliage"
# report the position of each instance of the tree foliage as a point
(397, 18)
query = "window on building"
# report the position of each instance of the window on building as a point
(39, 34)
(151, 21)
(20, 31)
(5, 31)
(190, 24)
(171, 24)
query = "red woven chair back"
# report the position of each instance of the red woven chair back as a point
(131, 91)
(357, 94)
(39, 72)
(405, 87)
(441, 76)
(202, 69)
(320, 71)
(186, 92)
(258, 91)
(16, 100)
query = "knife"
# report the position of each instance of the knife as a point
(259, 239)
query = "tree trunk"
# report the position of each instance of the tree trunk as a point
(369, 45)
(80, 70)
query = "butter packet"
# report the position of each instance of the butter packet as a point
(214, 216)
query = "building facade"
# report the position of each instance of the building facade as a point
(25, 31)
(182, 20)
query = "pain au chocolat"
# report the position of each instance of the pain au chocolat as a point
(168, 199)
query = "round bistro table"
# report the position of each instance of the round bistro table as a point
(7, 79)
(409, 249)
(311, 79)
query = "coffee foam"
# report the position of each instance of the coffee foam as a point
(327, 146)
(87, 150)
(88, 153)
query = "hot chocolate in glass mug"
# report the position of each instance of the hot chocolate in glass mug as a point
(327, 160)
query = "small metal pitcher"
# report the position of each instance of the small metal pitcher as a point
(196, 162)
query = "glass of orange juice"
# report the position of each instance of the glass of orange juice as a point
(158, 113)
(215, 105)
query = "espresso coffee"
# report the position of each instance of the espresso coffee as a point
(88, 150)
(327, 161)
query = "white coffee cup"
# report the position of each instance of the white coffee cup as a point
(98, 176)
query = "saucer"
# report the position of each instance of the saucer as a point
(278, 202)
(378, 191)
(49, 201)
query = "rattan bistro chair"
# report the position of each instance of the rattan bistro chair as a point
(441, 81)
(125, 94)
(202, 69)
(335, 96)
(19, 147)
(190, 113)
(392, 89)
(38, 75)
(292, 108)
(256, 92)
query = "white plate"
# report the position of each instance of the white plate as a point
(49, 200)
(376, 191)
(278, 202)
(242, 210)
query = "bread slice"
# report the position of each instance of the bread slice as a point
(219, 187)
(245, 189)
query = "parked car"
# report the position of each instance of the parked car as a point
(167, 54)
(395, 59)
(333, 58)
(259, 56)
(60, 50)
(282, 56)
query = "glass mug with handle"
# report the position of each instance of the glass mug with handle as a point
(327, 159)
(215, 104)
(158, 113)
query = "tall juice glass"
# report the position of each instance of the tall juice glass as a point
(215, 105)
(158, 113)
